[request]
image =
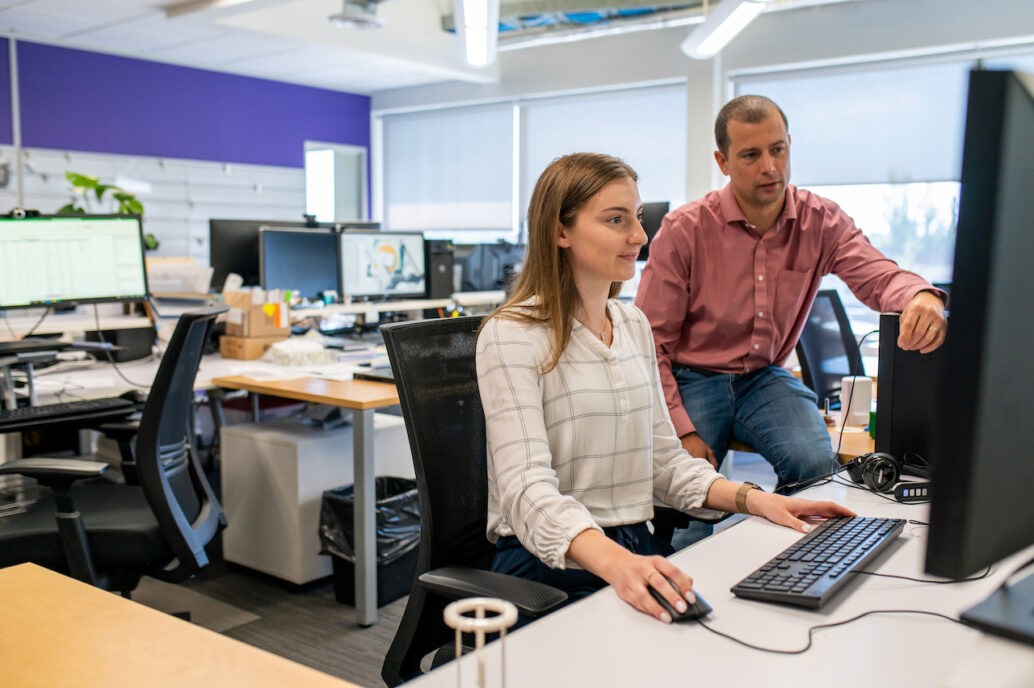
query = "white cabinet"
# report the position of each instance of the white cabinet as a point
(273, 478)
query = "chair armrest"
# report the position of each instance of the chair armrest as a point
(532, 599)
(120, 432)
(46, 470)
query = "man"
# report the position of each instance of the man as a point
(728, 287)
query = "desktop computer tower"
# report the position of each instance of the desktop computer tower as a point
(439, 269)
(906, 406)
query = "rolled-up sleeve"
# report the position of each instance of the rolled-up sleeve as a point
(520, 470)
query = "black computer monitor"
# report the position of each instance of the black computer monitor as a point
(489, 267)
(377, 265)
(302, 260)
(653, 213)
(983, 467)
(52, 260)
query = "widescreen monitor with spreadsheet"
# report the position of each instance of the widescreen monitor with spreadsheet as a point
(382, 265)
(71, 259)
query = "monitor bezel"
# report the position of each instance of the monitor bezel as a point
(380, 296)
(97, 299)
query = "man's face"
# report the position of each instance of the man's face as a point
(758, 162)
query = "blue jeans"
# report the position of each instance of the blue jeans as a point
(768, 409)
(513, 559)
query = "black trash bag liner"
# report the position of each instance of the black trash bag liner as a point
(397, 526)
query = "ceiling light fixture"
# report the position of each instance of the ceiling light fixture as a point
(357, 14)
(175, 9)
(477, 25)
(722, 24)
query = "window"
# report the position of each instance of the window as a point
(450, 172)
(645, 127)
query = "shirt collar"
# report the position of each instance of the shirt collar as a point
(733, 214)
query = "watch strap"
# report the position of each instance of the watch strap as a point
(741, 496)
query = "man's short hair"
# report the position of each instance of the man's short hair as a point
(749, 109)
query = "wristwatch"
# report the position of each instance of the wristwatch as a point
(741, 496)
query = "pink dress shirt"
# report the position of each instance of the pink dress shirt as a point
(722, 297)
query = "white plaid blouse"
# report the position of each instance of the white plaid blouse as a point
(588, 444)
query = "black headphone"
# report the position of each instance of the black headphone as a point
(878, 471)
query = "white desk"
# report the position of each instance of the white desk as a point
(471, 298)
(602, 641)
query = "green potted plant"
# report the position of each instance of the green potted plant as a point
(121, 202)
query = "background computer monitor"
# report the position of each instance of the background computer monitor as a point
(983, 472)
(653, 213)
(382, 264)
(72, 259)
(302, 260)
(233, 245)
(489, 267)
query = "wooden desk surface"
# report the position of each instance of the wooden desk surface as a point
(855, 443)
(57, 631)
(353, 394)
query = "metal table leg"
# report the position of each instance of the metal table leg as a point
(365, 518)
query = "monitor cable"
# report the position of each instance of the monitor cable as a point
(111, 360)
(46, 312)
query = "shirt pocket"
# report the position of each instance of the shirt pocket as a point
(791, 288)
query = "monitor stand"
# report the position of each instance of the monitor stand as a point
(1008, 612)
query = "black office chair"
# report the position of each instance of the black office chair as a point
(111, 534)
(827, 349)
(436, 378)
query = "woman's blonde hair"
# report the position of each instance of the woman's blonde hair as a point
(564, 187)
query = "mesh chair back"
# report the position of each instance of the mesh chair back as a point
(827, 349)
(180, 496)
(436, 377)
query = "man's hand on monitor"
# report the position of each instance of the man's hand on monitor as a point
(922, 324)
(698, 448)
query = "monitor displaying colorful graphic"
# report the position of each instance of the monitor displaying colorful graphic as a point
(382, 264)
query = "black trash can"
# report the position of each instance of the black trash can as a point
(397, 531)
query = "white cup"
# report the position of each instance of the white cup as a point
(860, 399)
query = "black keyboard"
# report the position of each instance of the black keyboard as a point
(811, 571)
(87, 409)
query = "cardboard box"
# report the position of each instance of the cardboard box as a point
(266, 320)
(246, 348)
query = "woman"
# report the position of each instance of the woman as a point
(579, 439)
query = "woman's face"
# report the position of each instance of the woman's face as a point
(606, 235)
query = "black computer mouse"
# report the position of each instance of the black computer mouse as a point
(693, 611)
(134, 395)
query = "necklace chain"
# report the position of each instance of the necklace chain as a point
(601, 334)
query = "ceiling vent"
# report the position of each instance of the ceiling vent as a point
(358, 14)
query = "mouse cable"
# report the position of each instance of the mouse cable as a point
(811, 631)
(111, 360)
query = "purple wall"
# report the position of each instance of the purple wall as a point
(77, 100)
(6, 135)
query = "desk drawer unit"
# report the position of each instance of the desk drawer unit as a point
(273, 478)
